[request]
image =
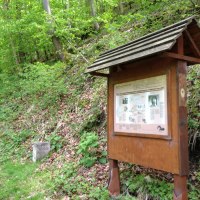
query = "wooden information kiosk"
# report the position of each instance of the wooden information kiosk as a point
(147, 115)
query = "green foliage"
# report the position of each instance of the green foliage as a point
(159, 189)
(17, 181)
(34, 86)
(194, 192)
(87, 148)
(63, 178)
(25, 27)
(143, 186)
(99, 194)
(193, 105)
(56, 141)
(147, 186)
(38, 95)
(69, 182)
(12, 143)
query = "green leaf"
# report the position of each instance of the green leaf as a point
(103, 160)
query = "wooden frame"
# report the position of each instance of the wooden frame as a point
(160, 153)
(168, 136)
(150, 56)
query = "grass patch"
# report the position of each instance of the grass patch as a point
(19, 181)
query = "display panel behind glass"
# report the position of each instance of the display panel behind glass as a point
(141, 106)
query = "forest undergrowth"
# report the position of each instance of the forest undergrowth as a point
(47, 99)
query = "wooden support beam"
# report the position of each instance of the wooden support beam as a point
(189, 59)
(180, 188)
(180, 43)
(192, 44)
(114, 179)
(182, 117)
(99, 74)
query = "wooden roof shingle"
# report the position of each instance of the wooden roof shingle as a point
(150, 44)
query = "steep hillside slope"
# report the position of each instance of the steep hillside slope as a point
(57, 102)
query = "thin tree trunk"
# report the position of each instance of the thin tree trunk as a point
(14, 52)
(93, 13)
(55, 40)
(37, 55)
(102, 7)
(6, 4)
(46, 55)
(121, 7)
(67, 4)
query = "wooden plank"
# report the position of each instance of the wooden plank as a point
(192, 44)
(149, 152)
(182, 117)
(132, 57)
(99, 74)
(129, 52)
(180, 44)
(153, 38)
(180, 188)
(182, 57)
(151, 42)
(114, 178)
(182, 110)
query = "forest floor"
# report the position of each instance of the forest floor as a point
(27, 180)
(23, 181)
(59, 103)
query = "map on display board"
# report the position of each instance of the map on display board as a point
(141, 106)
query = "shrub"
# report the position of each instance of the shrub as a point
(194, 105)
(87, 148)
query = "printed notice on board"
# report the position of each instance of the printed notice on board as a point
(141, 106)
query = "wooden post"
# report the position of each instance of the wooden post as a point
(180, 187)
(180, 181)
(114, 179)
(182, 111)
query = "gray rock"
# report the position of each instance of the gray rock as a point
(40, 150)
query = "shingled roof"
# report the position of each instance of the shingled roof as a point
(148, 45)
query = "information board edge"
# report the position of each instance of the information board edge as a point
(168, 136)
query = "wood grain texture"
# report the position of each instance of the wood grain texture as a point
(193, 45)
(129, 58)
(180, 188)
(189, 59)
(157, 153)
(145, 41)
(114, 179)
(154, 43)
(182, 112)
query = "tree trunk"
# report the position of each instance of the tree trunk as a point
(102, 8)
(47, 6)
(67, 4)
(12, 45)
(55, 40)
(93, 13)
(6, 4)
(14, 52)
(121, 7)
